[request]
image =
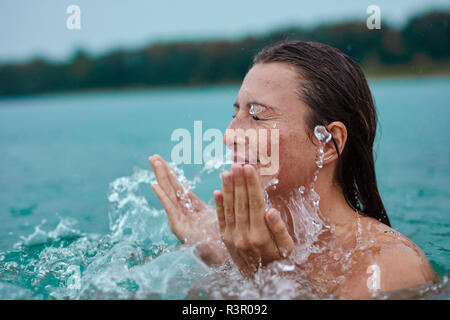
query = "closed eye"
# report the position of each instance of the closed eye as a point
(236, 110)
(254, 117)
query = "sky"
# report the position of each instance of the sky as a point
(31, 28)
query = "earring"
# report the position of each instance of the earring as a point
(328, 158)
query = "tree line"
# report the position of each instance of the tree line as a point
(423, 40)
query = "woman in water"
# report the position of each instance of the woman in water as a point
(352, 251)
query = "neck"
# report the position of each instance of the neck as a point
(333, 206)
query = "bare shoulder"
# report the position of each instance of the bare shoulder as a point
(389, 259)
(403, 260)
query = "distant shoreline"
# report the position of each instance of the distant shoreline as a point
(192, 86)
(418, 49)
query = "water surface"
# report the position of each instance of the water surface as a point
(75, 186)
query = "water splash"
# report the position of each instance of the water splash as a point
(255, 109)
(140, 258)
(134, 260)
(268, 183)
(307, 222)
(322, 134)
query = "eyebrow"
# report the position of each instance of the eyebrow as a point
(236, 104)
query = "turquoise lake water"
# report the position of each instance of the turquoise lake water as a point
(75, 185)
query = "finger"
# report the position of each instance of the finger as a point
(173, 182)
(256, 204)
(196, 202)
(240, 198)
(172, 212)
(279, 231)
(176, 186)
(218, 200)
(228, 199)
(162, 178)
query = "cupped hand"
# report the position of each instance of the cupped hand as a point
(252, 235)
(189, 218)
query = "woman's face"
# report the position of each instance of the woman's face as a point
(272, 89)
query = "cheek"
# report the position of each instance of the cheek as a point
(297, 159)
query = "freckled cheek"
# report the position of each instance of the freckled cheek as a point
(294, 156)
(290, 149)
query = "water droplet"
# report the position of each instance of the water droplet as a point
(255, 109)
(322, 134)
(315, 198)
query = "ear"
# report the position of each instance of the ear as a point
(339, 133)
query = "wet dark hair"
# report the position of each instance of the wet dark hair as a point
(335, 89)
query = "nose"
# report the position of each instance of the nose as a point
(235, 137)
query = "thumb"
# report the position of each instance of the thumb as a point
(279, 231)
